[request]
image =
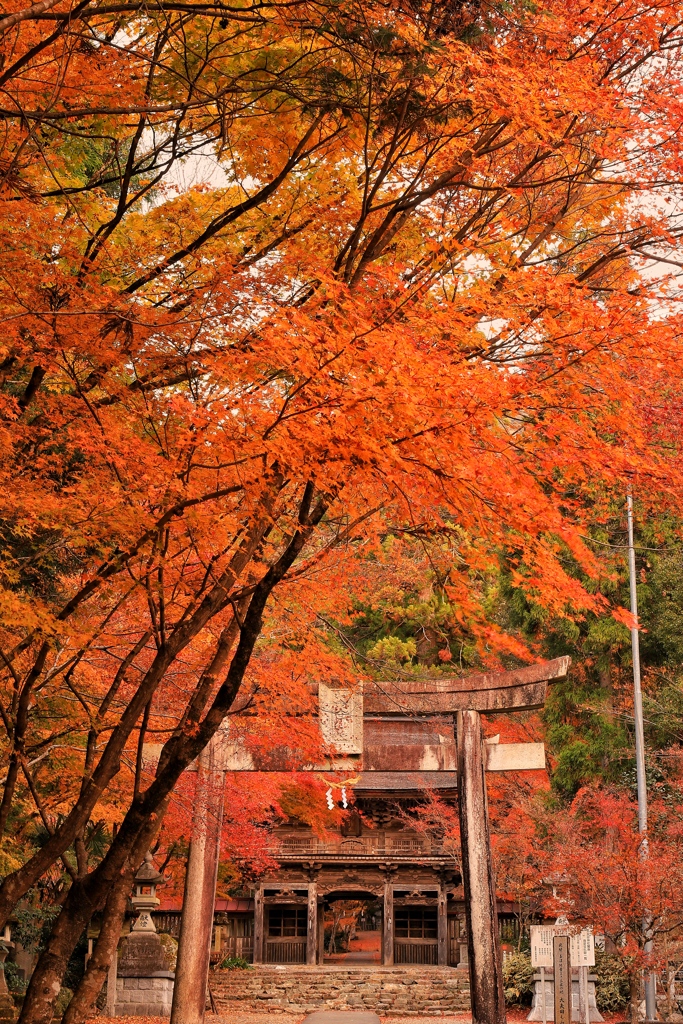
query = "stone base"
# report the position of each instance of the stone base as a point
(537, 1004)
(8, 1011)
(145, 997)
(401, 991)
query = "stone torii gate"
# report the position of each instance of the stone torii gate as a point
(341, 717)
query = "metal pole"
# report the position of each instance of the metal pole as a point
(650, 993)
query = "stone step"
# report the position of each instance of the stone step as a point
(341, 1017)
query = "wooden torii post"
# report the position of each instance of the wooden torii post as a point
(468, 698)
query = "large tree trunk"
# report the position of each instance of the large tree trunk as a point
(83, 1003)
(89, 895)
(85, 897)
(47, 977)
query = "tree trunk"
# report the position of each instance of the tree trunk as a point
(82, 1005)
(46, 979)
(17, 883)
(634, 996)
(85, 897)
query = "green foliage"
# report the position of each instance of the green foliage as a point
(612, 987)
(14, 978)
(235, 963)
(170, 946)
(392, 649)
(588, 716)
(33, 921)
(518, 978)
(33, 924)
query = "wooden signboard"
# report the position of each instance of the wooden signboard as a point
(542, 957)
(563, 980)
(582, 955)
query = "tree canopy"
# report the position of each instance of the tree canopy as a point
(280, 281)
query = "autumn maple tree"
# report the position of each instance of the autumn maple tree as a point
(600, 870)
(279, 281)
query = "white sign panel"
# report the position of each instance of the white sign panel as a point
(582, 949)
(581, 945)
(542, 945)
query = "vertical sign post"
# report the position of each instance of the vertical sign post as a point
(563, 980)
(542, 957)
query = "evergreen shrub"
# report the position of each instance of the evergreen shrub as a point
(518, 978)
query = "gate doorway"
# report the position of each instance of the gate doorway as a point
(353, 929)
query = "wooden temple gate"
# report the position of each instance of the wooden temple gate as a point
(376, 731)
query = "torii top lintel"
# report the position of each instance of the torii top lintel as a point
(520, 689)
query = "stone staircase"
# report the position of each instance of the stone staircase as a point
(409, 989)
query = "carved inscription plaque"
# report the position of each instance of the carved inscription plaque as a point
(341, 718)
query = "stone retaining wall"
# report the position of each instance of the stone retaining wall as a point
(398, 990)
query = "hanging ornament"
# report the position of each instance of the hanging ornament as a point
(345, 802)
(330, 801)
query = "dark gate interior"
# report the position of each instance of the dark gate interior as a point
(286, 934)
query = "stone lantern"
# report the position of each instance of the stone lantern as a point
(144, 984)
(6, 1002)
(145, 898)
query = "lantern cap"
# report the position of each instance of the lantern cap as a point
(147, 873)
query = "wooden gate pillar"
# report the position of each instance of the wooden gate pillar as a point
(258, 925)
(321, 933)
(485, 962)
(442, 927)
(388, 923)
(312, 924)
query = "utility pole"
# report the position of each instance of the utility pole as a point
(650, 991)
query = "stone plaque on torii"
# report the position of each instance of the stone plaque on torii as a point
(342, 714)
